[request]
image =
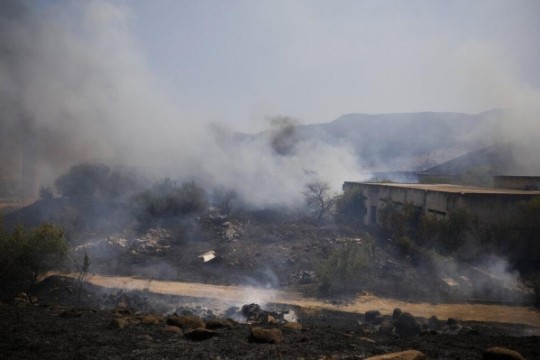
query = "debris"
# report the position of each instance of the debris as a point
(207, 256)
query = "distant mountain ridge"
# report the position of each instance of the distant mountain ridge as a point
(402, 141)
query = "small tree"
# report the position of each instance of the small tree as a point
(82, 271)
(346, 268)
(224, 199)
(318, 198)
(43, 248)
(24, 255)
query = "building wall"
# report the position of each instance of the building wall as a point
(488, 208)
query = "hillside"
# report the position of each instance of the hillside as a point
(384, 142)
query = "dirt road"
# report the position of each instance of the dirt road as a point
(245, 294)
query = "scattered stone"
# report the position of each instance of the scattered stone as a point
(453, 329)
(145, 337)
(451, 321)
(387, 327)
(371, 315)
(396, 313)
(219, 324)
(186, 322)
(363, 338)
(271, 320)
(118, 323)
(402, 355)
(150, 320)
(259, 334)
(200, 334)
(172, 329)
(293, 325)
(500, 353)
(407, 326)
(433, 323)
(21, 299)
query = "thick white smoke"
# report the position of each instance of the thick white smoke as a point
(74, 78)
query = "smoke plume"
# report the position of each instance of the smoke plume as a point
(75, 81)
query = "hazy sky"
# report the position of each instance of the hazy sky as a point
(241, 61)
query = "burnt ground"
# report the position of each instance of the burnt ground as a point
(58, 326)
(268, 249)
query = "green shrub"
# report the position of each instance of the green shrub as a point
(453, 231)
(345, 269)
(350, 207)
(26, 254)
(399, 219)
(166, 200)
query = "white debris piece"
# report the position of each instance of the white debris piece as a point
(207, 256)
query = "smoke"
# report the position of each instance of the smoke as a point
(75, 84)
(75, 80)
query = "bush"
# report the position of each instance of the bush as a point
(89, 181)
(346, 268)
(399, 220)
(46, 193)
(350, 207)
(26, 254)
(453, 231)
(166, 200)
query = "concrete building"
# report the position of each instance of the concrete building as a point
(492, 206)
(489, 205)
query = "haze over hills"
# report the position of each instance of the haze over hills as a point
(391, 142)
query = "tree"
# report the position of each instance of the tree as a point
(318, 198)
(89, 181)
(82, 181)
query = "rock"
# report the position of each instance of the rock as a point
(251, 311)
(387, 327)
(272, 335)
(402, 355)
(371, 315)
(396, 313)
(271, 320)
(433, 323)
(172, 329)
(500, 353)
(451, 329)
(293, 325)
(21, 299)
(407, 326)
(150, 320)
(118, 323)
(200, 334)
(451, 321)
(145, 337)
(186, 322)
(219, 324)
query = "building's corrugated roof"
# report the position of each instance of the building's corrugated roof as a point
(452, 188)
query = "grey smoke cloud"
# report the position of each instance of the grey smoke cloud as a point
(75, 79)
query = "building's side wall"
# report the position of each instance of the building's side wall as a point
(493, 209)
